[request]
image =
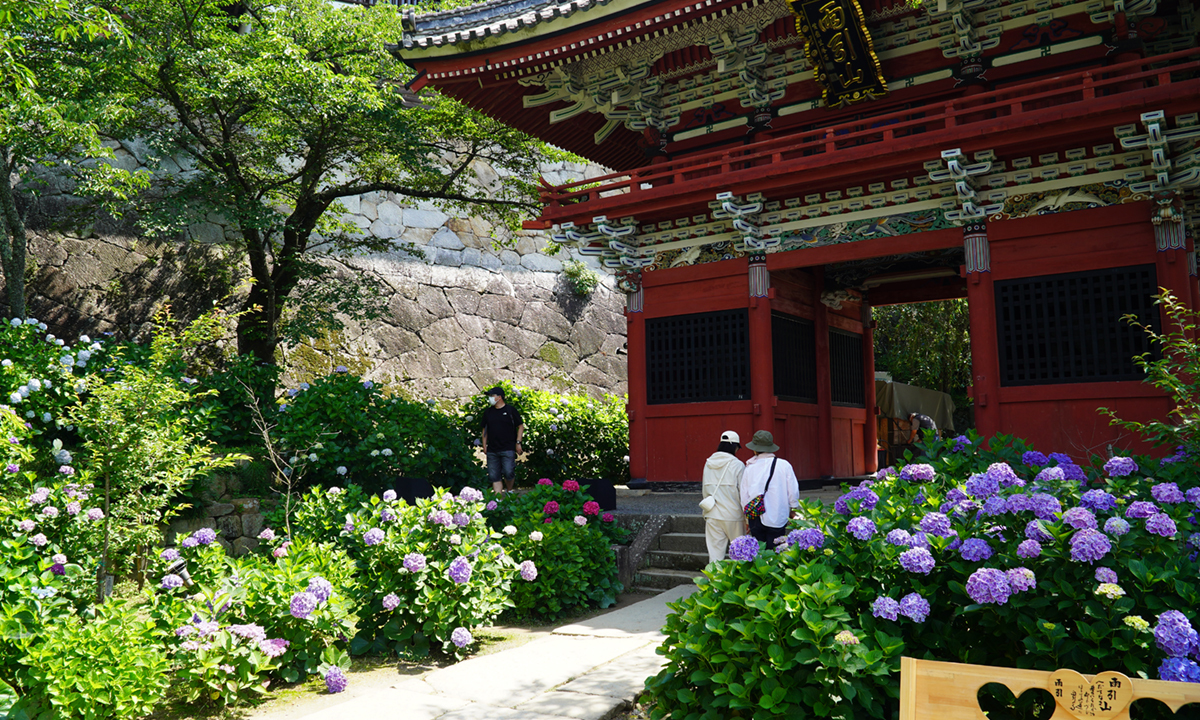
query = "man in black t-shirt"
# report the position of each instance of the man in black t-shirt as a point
(502, 431)
(920, 423)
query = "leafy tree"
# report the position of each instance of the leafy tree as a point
(47, 110)
(275, 110)
(926, 344)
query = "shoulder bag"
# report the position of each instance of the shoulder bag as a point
(756, 507)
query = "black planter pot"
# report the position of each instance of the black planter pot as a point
(411, 489)
(602, 491)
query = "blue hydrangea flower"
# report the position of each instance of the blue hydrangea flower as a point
(414, 562)
(919, 539)
(302, 605)
(743, 548)
(804, 538)
(335, 680)
(936, 524)
(1161, 524)
(1140, 509)
(1021, 579)
(1029, 549)
(995, 505)
(374, 536)
(1168, 493)
(866, 497)
(1045, 506)
(1003, 474)
(320, 588)
(1089, 546)
(914, 607)
(1178, 669)
(460, 570)
(898, 537)
(861, 528)
(1106, 575)
(962, 442)
(1019, 503)
(1098, 500)
(975, 550)
(1060, 458)
(1174, 634)
(1033, 458)
(1193, 496)
(1120, 466)
(981, 486)
(1050, 475)
(918, 472)
(1035, 531)
(887, 471)
(917, 560)
(885, 607)
(1079, 518)
(461, 637)
(989, 585)
(956, 495)
(1116, 526)
(1073, 472)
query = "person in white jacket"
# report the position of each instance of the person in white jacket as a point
(721, 490)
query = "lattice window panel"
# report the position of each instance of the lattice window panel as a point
(846, 369)
(698, 358)
(1067, 328)
(794, 351)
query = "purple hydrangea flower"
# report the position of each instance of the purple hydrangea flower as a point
(189, 542)
(1193, 496)
(885, 607)
(460, 570)
(73, 508)
(1140, 509)
(171, 580)
(335, 680)
(918, 472)
(441, 517)
(470, 495)
(1060, 458)
(955, 495)
(1073, 472)
(805, 539)
(1050, 475)
(267, 534)
(1035, 531)
(386, 516)
(95, 514)
(1179, 670)
(528, 571)
(919, 540)
(374, 536)
(1098, 500)
(865, 496)
(1120, 466)
(210, 627)
(1116, 526)
(1003, 474)
(205, 536)
(1079, 518)
(414, 562)
(887, 471)
(1029, 549)
(462, 519)
(988, 585)
(1021, 579)
(492, 505)
(320, 588)
(1019, 503)
(1045, 506)
(252, 632)
(274, 647)
(1161, 524)
(936, 524)
(743, 548)
(861, 528)
(26, 526)
(1089, 546)
(391, 601)
(914, 607)
(1168, 493)
(461, 637)
(918, 560)
(302, 605)
(1033, 458)
(898, 537)
(170, 555)
(39, 540)
(919, 499)
(962, 442)
(1174, 634)
(981, 486)
(13, 467)
(995, 505)
(975, 550)
(39, 496)
(1106, 575)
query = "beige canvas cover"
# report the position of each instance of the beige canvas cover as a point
(898, 401)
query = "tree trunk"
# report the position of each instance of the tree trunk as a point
(13, 242)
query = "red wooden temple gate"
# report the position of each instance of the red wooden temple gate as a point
(770, 185)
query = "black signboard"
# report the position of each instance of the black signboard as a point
(840, 50)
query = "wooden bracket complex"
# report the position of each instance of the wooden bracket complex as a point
(931, 690)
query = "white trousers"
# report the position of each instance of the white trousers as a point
(719, 533)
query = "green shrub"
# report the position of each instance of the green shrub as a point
(226, 403)
(106, 667)
(566, 436)
(575, 568)
(340, 430)
(526, 509)
(728, 644)
(583, 280)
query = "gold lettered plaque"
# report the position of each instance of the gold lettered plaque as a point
(1105, 697)
(840, 50)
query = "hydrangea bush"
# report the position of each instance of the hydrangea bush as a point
(997, 562)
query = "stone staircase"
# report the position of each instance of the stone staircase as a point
(676, 558)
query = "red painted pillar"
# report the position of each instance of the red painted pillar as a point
(762, 371)
(635, 325)
(985, 351)
(871, 429)
(1172, 260)
(824, 384)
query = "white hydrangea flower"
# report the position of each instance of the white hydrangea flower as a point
(312, 457)
(84, 339)
(5, 363)
(386, 452)
(341, 469)
(16, 322)
(47, 417)
(34, 384)
(536, 536)
(510, 530)
(15, 398)
(67, 360)
(456, 539)
(31, 321)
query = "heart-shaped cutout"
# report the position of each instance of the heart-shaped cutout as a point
(1105, 697)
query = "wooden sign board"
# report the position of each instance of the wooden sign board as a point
(932, 690)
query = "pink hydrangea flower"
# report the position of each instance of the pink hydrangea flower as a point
(545, 481)
(591, 507)
(570, 486)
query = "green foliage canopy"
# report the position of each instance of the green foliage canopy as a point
(926, 344)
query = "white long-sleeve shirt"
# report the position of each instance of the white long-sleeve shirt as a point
(722, 476)
(783, 494)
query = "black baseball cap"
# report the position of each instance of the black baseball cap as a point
(496, 391)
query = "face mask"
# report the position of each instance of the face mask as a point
(491, 399)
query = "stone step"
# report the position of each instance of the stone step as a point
(646, 590)
(674, 560)
(683, 542)
(664, 579)
(687, 524)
